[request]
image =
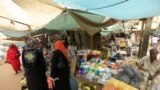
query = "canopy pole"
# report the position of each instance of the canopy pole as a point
(14, 20)
(141, 38)
(145, 38)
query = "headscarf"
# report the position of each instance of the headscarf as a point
(32, 43)
(13, 46)
(58, 45)
(12, 53)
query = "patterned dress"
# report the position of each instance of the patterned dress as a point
(34, 65)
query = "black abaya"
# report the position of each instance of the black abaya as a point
(61, 71)
(35, 69)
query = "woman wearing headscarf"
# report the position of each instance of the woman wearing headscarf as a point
(34, 65)
(13, 57)
(60, 67)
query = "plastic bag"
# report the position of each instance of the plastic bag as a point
(23, 82)
(73, 83)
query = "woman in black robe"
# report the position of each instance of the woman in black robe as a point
(60, 67)
(34, 66)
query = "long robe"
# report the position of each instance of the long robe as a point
(13, 58)
(34, 65)
(60, 71)
(150, 68)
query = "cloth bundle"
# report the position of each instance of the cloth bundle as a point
(130, 75)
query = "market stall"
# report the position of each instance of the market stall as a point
(93, 71)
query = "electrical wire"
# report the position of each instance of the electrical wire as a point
(108, 5)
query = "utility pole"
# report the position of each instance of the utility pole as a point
(146, 31)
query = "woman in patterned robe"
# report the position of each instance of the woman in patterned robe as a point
(34, 65)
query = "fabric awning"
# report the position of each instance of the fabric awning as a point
(34, 14)
(20, 34)
(74, 19)
(13, 33)
(118, 9)
(112, 29)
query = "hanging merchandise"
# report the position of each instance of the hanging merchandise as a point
(83, 39)
(121, 42)
(77, 39)
(64, 35)
(113, 37)
(71, 52)
(69, 38)
(121, 34)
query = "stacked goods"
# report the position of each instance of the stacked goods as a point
(97, 69)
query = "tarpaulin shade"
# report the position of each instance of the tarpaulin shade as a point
(2, 36)
(73, 19)
(118, 9)
(92, 27)
(22, 15)
(114, 28)
(13, 33)
(41, 11)
(44, 30)
(19, 34)
(66, 21)
(9, 12)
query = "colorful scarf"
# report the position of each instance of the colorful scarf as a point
(58, 45)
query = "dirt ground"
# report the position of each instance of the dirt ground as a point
(8, 79)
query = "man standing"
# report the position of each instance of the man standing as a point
(150, 66)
